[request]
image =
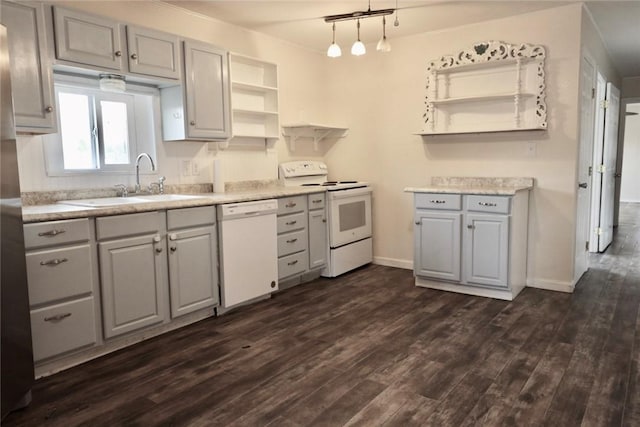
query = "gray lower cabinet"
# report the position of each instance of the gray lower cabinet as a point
(63, 288)
(471, 242)
(193, 259)
(31, 73)
(318, 245)
(199, 108)
(133, 271)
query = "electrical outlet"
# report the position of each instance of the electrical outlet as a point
(186, 168)
(195, 169)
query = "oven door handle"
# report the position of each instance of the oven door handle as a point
(350, 192)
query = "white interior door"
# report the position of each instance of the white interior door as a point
(596, 177)
(608, 168)
(583, 196)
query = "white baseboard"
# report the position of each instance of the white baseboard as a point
(551, 285)
(393, 262)
(629, 201)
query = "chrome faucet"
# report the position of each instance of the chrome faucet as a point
(153, 168)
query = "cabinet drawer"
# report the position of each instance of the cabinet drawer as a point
(438, 201)
(64, 327)
(59, 273)
(316, 201)
(292, 264)
(495, 204)
(292, 222)
(191, 217)
(292, 204)
(56, 233)
(128, 225)
(292, 242)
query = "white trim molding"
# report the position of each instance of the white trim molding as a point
(393, 262)
(551, 285)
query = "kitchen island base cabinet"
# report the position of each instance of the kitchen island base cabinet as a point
(473, 244)
(133, 271)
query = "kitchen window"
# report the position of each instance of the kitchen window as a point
(100, 132)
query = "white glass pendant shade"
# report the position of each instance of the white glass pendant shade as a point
(358, 47)
(334, 50)
(383, 44)
(112, 83)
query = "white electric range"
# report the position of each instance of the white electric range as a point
(348, 210)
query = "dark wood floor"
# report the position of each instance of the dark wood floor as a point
(370, 348)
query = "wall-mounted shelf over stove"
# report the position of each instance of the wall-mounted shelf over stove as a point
(316, 132)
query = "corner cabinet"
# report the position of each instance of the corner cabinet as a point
(254, 98)
(198, 109)
(31, 73)
(474, 244)
(489, 87)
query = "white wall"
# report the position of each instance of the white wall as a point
(302, 81)
(380, 97)
(630, 190)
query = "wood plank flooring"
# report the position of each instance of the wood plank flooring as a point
(370, 348)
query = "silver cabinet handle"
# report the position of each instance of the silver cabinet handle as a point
(290, 205)
(291, 223)
(292, 262)
(324, 220)
(54, 262)
(57, 317)
(159, 250)
(134, 56)
(192, 122)
(438, 201)
(487, 204)
(49, 109)
(292, 240)
(173, 249)
(417, 222)
(317, 201)
(51, 233)
(118, 53)
(471, 226)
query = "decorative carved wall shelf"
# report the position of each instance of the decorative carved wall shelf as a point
(490, 87)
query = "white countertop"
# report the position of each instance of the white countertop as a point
(57, 211)
(469, 185)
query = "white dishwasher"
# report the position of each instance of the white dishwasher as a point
(248, 251)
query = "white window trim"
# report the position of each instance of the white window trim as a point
(141, 127)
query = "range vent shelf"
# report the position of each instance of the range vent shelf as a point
(254, 98)
(490, 87)
(317, 133)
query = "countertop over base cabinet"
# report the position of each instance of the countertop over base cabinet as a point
(473, 244)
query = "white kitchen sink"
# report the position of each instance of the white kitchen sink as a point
(166, 197)
(103, 202)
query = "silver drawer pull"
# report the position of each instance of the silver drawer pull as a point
(292, 262)
(290, 205)
(54, 262)
(317, 201)
(487, 204)
(291, 223)
(438, 201)
(292, 240)
(51, 233)
(57, 317)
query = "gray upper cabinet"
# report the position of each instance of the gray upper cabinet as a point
(199, 108)
(31, 75)
(88, 39)
(153, 53)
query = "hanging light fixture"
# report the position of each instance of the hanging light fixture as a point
(112, 83)
(334, 50)
(358, 47)
(383, 44)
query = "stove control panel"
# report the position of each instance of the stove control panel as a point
(302, 168)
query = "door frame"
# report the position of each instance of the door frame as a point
(621, 131)
(598, 150)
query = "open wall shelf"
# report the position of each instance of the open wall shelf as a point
(315, 132)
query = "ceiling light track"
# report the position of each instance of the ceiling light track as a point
(358, 15)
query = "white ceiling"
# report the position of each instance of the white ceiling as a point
(300, 21)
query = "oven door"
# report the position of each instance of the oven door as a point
(349, 215)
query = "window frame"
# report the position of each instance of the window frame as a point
(141, 125)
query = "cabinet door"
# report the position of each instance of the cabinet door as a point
(437, 245)
(153, 53)
(486, 249)
(193, 270)
(31, 75)
(133, 277)
(87, 39)
(207, 91)
(317, 238)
